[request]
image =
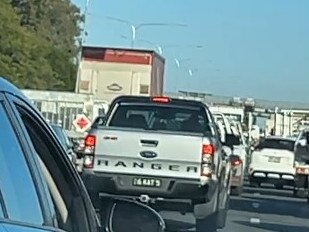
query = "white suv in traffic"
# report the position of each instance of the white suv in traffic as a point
(273, 162)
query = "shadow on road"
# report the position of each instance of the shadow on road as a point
(275, 227)
(284, 206)
(271, 191)
(173, 226)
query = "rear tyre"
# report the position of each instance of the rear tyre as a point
(208, 224)
(222, 215)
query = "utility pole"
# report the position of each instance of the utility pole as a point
(82, 41)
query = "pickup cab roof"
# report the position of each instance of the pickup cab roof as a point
(159, 99)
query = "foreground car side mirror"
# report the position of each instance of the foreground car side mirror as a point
(130, 215)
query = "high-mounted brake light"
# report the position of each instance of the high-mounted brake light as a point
(90, 142)
(161, 99)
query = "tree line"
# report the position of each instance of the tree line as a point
(39, 43)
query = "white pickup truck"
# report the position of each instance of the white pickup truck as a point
(162, 151)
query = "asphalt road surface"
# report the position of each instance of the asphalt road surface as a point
(257, 210)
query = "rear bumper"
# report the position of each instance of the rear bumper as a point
(171, 188)
(272, 177)
(301, 181)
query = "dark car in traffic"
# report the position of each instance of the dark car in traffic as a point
(65, 141)
(39, 188)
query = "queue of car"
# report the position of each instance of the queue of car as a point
(145, 155)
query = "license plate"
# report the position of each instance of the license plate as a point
(147, 182)
(274, 159)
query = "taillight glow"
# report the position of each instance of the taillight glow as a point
(90, 140)
(236, 162)
(161, 99)
(208, 149)
(89, 149)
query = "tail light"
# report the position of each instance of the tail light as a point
(89, 149)
(236, 162)
(302, 171)
(207, 165)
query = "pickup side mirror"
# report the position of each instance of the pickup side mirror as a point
(232, 140)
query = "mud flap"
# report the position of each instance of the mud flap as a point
(202, 211)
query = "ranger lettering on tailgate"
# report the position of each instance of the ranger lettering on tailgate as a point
(144, 165)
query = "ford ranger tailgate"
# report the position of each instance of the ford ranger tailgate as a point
(155, 153)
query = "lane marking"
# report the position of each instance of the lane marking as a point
(256, 205)
(255, 221)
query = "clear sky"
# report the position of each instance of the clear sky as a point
(252, 48)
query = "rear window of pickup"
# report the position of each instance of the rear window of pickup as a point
(160, 118)
(280, 144)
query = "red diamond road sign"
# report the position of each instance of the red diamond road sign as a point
(81, 123)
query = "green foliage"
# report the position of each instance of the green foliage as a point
(38, 43)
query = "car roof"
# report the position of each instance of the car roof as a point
(6, 86)
(144, 99)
